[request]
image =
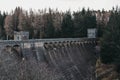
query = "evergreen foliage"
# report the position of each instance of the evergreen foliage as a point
(82, 21)
(50, 30)
(110, 42)
(67, 25)
(2, 31)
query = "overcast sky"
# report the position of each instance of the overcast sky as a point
(8, 5)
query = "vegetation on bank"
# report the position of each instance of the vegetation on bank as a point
(110, 42)
(106, 71)
(108, 65)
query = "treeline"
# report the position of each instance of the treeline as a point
(47, 23)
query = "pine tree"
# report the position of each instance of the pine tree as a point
(77, 24)
(67, 26)
(2, 30)
(82, 21)
(50, 29)
(90, 19)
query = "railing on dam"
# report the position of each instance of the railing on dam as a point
(40, 42)
(48, 40)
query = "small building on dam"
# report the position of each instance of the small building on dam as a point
(22, 35)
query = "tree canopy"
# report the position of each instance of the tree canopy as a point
(48, 24)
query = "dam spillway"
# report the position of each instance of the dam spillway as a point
(74, 58)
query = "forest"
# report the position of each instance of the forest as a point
(48, 23)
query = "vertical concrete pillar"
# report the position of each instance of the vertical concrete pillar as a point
(22, 49)
(40, 52)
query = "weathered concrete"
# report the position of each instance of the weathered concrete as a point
(73, 57)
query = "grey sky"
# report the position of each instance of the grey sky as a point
(8, 5)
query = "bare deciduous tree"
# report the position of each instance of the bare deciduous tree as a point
(8, 26)
(12, 68)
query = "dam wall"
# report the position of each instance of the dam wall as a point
(74, 58)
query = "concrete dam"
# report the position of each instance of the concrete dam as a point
(74, 58)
